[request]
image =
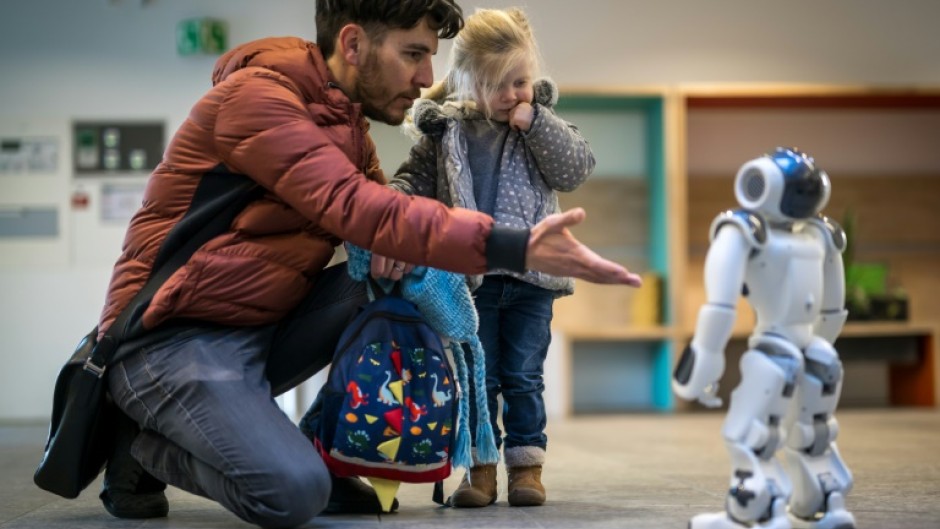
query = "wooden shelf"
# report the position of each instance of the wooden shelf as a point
(856, 330)
(617, 333)
(887, 328)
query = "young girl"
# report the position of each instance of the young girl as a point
(488, 140)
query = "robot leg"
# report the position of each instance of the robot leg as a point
(753, 432)
(820, 477)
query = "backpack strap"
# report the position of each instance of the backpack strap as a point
(438, 495)
(380, 288)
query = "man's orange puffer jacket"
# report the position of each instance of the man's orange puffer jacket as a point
(274, 115)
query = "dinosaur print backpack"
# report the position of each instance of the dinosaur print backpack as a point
(389, 408)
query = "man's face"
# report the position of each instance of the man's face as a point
(394, 72)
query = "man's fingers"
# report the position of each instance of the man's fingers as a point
(609, 273)
(600, 270)
(389, 268)
(378, 266)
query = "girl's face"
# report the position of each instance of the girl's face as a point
(514, 88)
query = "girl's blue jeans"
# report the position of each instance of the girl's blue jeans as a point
(515, 330)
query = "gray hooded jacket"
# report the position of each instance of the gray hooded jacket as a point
(551, 156)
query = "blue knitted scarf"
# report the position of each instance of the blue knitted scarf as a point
(444, 300)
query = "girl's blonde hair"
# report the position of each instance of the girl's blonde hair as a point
(492, 42)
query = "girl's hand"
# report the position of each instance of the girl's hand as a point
(521, 116)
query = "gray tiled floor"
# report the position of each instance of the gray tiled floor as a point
(627, 471)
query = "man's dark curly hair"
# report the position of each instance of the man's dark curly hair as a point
(377, 17)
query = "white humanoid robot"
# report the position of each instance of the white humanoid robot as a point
(786, 259)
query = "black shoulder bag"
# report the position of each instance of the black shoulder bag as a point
(81, 433)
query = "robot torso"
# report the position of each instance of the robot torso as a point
(784, 283)
(784, 273)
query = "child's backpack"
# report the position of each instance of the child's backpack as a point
(391, 407)
(393, 397)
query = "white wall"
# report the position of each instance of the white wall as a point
(62, 60)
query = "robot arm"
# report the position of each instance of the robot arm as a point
(832, 314)
(703, 361)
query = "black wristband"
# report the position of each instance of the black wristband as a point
(506, 247)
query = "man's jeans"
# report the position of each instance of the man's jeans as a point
(204, 398)
(515, 329)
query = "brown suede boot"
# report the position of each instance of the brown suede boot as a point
(524, 466)
(525, 486)
(476, 489)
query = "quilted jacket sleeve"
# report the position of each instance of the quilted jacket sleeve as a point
(562, 154)
(265, 131)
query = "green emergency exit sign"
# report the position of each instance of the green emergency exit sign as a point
(201, 36)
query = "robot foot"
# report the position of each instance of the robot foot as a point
(836, 517)
(721, 520)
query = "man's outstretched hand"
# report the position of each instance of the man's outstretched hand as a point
(554, 250)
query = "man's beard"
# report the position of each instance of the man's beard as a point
(374, 95)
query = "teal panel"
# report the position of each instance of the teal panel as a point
(605, 103)
(612, 376)
(659, 203)
(617, 139)
(662, 377)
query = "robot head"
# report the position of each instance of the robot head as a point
(783, 185)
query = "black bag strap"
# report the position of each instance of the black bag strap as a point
(376, 291)
(219, 198)
(437, 495)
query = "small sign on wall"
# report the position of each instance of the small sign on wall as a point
(119, 202)
(27, 222)
(29, 155)
(201, 36)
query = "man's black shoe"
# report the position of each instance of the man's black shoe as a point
(128, 490)
(123, 504)
(351, 496)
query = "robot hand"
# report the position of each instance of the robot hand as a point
(697, 375)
